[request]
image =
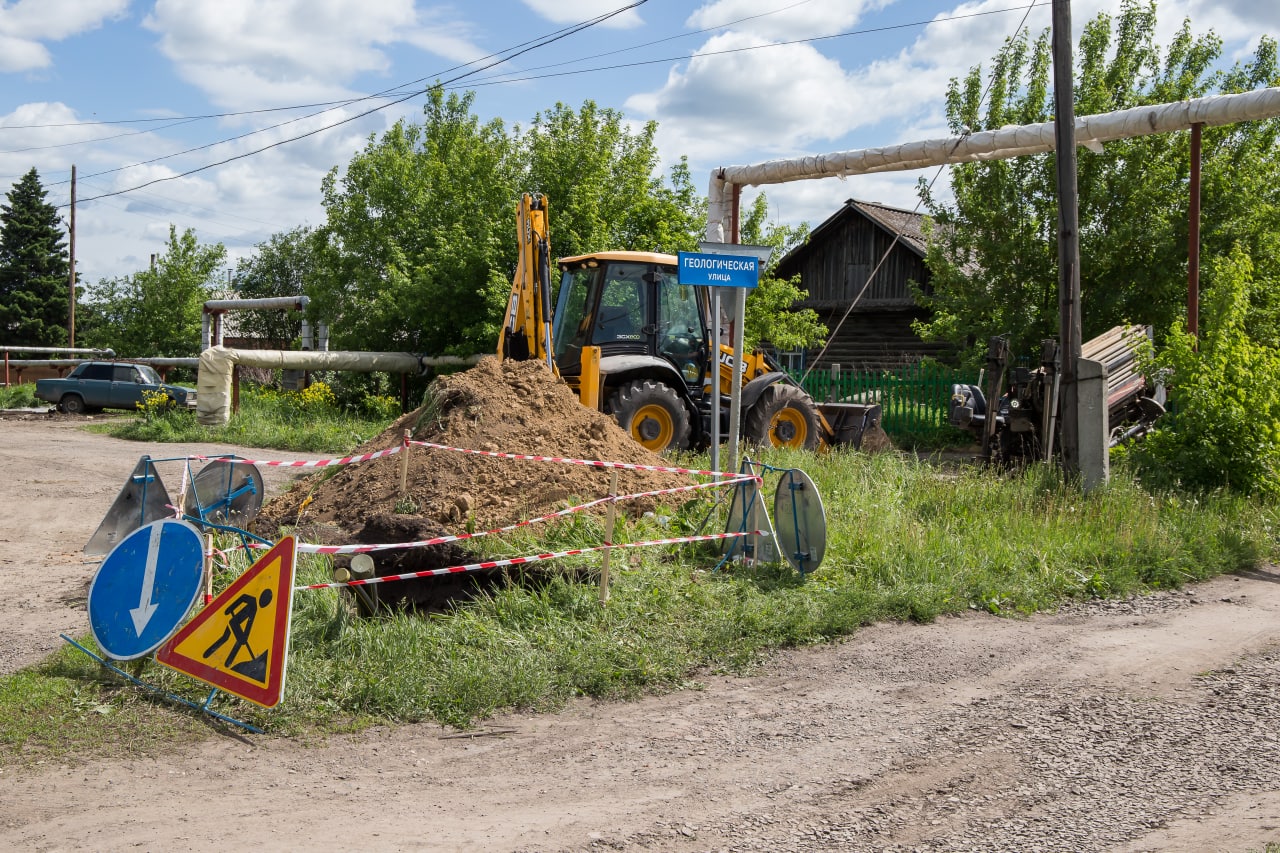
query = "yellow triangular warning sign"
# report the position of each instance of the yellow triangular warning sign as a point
(240, 641)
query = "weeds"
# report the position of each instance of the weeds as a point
(21, 396)
(309, 421)
(906, 541)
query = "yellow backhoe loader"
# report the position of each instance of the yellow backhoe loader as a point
(636, 344)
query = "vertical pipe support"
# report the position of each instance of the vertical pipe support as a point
(1193, 236)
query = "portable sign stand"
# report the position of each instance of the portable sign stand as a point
(142, 500)
(201, 707)
(145, 588)
(747, 511)
(239, 643)
(801, 520)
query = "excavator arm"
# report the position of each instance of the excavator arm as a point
(526, 325)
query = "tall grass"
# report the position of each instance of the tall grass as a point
(907, 540)
(21, 396)
(309, 421)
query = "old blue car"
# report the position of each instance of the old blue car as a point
(98, 385)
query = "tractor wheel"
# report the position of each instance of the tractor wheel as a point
(653, 414)
(783, 417)
(73, 404)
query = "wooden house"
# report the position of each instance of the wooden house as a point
(835, 266)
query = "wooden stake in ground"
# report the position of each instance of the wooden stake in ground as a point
(208, 568)
(404, 465)
(610, 516)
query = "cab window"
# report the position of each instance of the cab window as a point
(624, 310)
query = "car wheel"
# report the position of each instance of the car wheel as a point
(73, 404)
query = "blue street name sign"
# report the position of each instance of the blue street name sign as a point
(719, 270)
(145, 587)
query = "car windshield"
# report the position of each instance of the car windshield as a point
(149, 374)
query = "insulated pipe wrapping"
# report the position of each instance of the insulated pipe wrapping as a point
(1001, 144)
(213, 385)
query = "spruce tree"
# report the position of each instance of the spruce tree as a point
(33, 268)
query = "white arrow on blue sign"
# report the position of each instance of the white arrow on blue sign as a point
(145, 587)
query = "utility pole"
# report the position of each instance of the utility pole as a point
(71, 278)
(1068, 233)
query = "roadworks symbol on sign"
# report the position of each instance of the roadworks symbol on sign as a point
(239, 643)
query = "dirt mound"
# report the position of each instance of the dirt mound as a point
(509, 407)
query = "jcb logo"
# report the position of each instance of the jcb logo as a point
(726, 359)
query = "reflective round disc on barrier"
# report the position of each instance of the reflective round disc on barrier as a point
(800, 520)
(225, 492)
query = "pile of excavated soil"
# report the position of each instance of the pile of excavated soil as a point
(509, 407)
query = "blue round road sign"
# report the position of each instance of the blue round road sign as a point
(145, 587)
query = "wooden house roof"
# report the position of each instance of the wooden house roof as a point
(906, 224)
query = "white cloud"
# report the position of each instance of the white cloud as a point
(25, 25)
(772, 99)
(244, 52)
(773, 20)
(576, 11)
(240, 204)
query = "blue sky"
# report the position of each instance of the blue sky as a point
(115, 87)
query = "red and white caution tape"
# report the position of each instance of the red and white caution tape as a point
(305, 548)
(628, 466)
(521, 561)
(315, 463)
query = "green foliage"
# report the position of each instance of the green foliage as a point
(769, 315)
(599, 178)
(536, 644)
(419, 235)
(1224, 430)
(905, 541)
(282, 266)
(309, 421)
(419, 245)
(157, 312)
(34, 267)
(20, 397)
(993, 252)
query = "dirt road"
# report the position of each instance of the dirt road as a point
(1124, 726)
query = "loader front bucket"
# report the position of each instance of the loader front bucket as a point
(847, 423)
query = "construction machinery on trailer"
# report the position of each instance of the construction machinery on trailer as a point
(634, 343)
(1024, 426)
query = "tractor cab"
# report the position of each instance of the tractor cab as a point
(631, 306)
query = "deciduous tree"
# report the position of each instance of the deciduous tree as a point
(285, 265)
(420, 235)
(156, 312)
(993, 249)
(769, 313)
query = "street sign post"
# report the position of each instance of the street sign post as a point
(145, 587)
(734, 265)
(717, 270)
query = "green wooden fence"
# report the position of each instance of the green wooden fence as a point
(914, 397)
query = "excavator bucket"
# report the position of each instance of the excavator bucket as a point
(849, 423)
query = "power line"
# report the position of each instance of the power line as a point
(491, 81)
(524, 47)
(497, 80)
(514, 51)
(511, 54)
(897, 234)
